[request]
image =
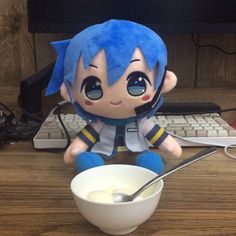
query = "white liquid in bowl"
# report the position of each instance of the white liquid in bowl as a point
(105, 195)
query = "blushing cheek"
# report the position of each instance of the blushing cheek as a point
(88, 103)
(146, 98)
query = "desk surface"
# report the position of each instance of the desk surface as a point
(35, 197)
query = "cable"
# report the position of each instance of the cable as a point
(198, 45)
(195, 112)
(196, 66)
(57, 110)
(58, 113)
(207, 144)
(227, 152)
(196, 142)
(8, 109)
(229, 109)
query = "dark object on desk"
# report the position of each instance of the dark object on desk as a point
(13, 130)
(6, 117)
(21, 131)
(30, 98)
(189, 108)
(72, 16)
(17, 131)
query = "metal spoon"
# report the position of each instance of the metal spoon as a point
(121, 197)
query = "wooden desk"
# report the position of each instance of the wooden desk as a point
(35, 197)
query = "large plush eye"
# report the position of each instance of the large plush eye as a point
(92, 88)
(137, 83)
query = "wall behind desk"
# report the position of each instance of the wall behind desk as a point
(194, 67)
(23, 53)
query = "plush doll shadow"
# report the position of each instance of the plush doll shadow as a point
(115, 74)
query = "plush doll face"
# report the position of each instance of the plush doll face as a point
(134, 88)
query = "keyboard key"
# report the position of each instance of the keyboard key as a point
(42, 135)
(192, 121)
(208, 128)
(211, 133)
(179, 121)
(198, 128)
(221, 121)
(190, 133)
(231, 131)
(204, 125)
(56, 135)
(201, 133)
(188, 128)
(182, 125)
(180, 133)
(222, 133)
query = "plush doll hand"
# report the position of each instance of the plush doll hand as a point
(76, 147)
(76, 152)
(170, 146)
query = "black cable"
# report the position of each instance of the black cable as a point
(198, 45)
(8, 109)
(56, 110)
(229, 109)
(168, 113)
(196, 67)
(58, 113)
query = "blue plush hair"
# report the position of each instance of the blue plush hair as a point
(119, 39)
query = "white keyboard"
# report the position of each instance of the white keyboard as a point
(189, 130)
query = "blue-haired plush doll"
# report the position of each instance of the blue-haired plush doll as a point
(114, 74)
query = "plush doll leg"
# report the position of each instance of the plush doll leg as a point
(151, 161)
(87, 160)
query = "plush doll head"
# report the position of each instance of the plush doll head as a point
(114, 72)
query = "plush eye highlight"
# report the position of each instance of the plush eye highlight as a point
(137, 83)
(92, 88)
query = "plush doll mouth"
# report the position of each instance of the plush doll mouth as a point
(116, 103)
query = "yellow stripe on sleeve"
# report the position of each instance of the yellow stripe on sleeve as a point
(157, 136)
(88, 135)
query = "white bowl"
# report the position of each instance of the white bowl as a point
(116, 218)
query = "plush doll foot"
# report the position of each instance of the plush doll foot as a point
(151, 161)
(87, 160)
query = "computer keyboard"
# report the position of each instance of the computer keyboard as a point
(189, 130)
(198, 130)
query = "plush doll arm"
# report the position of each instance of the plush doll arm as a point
(85, 139)
(159, 138)
(170, 145)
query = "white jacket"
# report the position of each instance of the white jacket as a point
(134, 139)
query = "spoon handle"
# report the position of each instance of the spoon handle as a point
(204, 153)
